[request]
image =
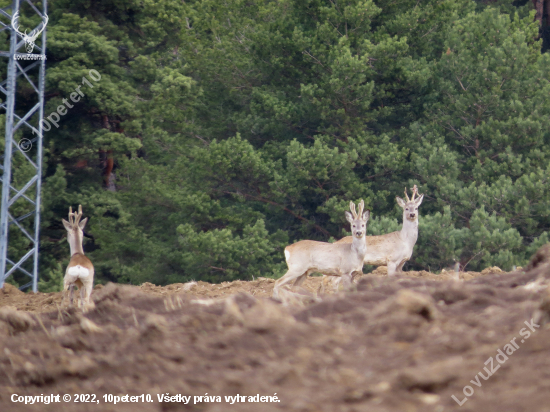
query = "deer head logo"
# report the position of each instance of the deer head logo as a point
(30, 38)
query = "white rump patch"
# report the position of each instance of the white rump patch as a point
(287, 255)
(78, 271)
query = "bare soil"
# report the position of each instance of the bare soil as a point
(405, 343)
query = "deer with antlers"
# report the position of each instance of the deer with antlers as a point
(80, 271)
(393, 249)
(334, 259)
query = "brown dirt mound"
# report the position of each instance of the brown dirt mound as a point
(408, 342)
(261, 287)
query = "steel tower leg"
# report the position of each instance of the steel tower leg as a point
(19, 200)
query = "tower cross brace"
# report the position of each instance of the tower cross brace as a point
(21, 171)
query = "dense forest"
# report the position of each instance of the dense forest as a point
(220, 132)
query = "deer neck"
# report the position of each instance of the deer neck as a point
(76, 244)
(359, 245)
(409, 231)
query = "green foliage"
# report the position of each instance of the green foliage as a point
(381, 225)
(491, 240)
(440, 244)
(54, 282)
(238, 128)
(239, 257)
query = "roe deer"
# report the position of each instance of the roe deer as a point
(80, 271)
(394, 249)
(334, 259)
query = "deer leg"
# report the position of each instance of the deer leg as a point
(355, 274)
(65, 290)
(330, 282)
(335, 282)
(400, 266)
(301, 292)
(89, 289)
(85, 298)
(321, 289)
(346, 281)
(287, 278)
(391, 268)
(301, 279)
(71, 294)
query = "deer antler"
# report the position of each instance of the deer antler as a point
(352, 208)
(361, 207)
(415, 192)
(75, 216)
(15, 23)
(71, 214)
(45, 20)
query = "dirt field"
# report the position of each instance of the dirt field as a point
(406, 343)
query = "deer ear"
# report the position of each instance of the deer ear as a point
(349, 217)
(419, 201)
(366, 215)
(400, 202)
(67, 225)
(82, 223)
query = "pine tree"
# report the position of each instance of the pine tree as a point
(217, 133)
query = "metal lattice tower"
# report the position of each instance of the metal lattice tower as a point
(22, 157)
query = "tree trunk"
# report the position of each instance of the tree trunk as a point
(107, 161)
(539, 8)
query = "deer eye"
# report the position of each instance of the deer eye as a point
(407, 208)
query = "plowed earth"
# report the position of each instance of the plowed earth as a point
(405, 343)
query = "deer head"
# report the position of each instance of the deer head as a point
(410, 206)
(358, 220)
(75, 228)
(30, 38)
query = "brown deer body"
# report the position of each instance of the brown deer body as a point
(335, 259)
(392, 249)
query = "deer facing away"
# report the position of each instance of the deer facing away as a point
(80, 271)
(393, 249)
(334, 259)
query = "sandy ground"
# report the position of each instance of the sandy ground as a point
(406, 343)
